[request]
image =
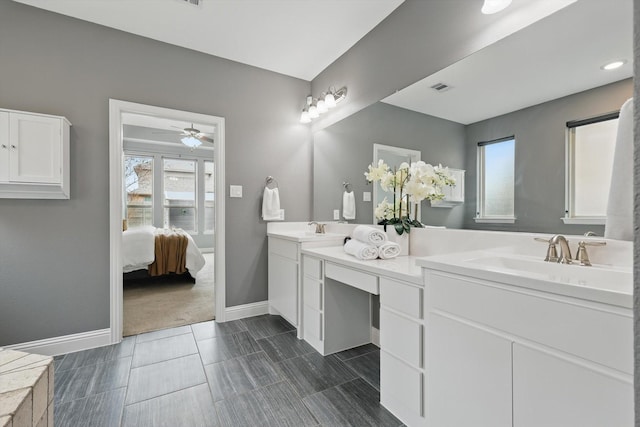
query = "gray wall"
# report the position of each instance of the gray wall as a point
(343, 151)
(540, 157)
(54, 255)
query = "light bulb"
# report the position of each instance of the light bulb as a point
(322, 107)
(329, 100)
(494, 6)
(304, 117)
(313, 112)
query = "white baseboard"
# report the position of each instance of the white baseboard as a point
(246, 310)
(375, 336)
(66, 343)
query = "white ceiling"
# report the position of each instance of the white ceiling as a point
(554, 57)
(299, 38)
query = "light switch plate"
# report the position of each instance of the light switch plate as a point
(336, 214)
(235, 191)
(366, 196)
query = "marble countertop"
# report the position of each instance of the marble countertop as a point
(599, 283)
(402, 268)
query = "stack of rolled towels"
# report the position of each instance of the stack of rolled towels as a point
(369, 243)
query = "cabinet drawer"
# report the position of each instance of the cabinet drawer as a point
(561, 323)
(283, 248)
(358, 279)
(312, 293)
(401, 337)
(312, 323)
(402, 297)
(401, 387)
(312, 267)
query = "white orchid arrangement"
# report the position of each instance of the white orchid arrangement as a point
(410, 183)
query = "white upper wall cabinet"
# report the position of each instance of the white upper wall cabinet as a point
(34, 156)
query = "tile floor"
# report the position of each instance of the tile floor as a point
(249, 372)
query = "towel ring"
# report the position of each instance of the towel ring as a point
(347, 186)
(271, 181)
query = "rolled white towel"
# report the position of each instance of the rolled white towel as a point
(361, 250)
(369, 235)
(389, 250)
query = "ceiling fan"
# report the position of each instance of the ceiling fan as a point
(192, 137)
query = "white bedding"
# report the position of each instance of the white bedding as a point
(138, 250)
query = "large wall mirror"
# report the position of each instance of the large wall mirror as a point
(530, 84)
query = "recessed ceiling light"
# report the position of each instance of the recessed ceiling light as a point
(494, 6)
(613, 65)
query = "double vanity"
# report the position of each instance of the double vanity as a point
(475, 329)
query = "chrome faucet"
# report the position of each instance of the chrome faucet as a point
(319, 227)
(565, 251)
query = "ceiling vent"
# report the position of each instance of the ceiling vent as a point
(440, 87)
(193, 2)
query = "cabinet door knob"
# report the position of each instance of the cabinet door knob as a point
(4, 146)
(13, 146)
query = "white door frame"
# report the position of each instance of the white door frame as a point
(116, 110)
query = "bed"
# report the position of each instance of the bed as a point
(140, 244)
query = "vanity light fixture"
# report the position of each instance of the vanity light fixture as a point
(614, 64)
(316, 106)
(494, 6)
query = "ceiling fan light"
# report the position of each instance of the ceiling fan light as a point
(330, 100)
(322, 107)
(304, 117)
(191, 141)
(494, 6)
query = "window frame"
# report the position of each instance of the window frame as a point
(570, 216)
(125, 201)
(481, 216)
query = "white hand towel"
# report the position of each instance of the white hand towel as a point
(370, 235)
(348, 205)
(619, 224)
(270, 204)
(389, 250)
(361, 250)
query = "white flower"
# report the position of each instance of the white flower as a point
(376, 173)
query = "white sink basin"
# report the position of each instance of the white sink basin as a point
(596, 276)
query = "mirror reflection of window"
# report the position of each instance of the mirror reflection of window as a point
(496, 180)
(591, 144)
(138, 183)
(179, 180)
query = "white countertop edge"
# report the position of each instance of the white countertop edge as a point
(299, 236)
(403, 268)
(449, 265)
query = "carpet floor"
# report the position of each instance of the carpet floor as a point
(164, 302)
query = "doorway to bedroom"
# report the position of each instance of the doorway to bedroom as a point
(170, 252)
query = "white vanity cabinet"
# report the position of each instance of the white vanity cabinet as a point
(503, 355)
(34, 156)
(285, 274)
(402, 376)
(283, 278)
